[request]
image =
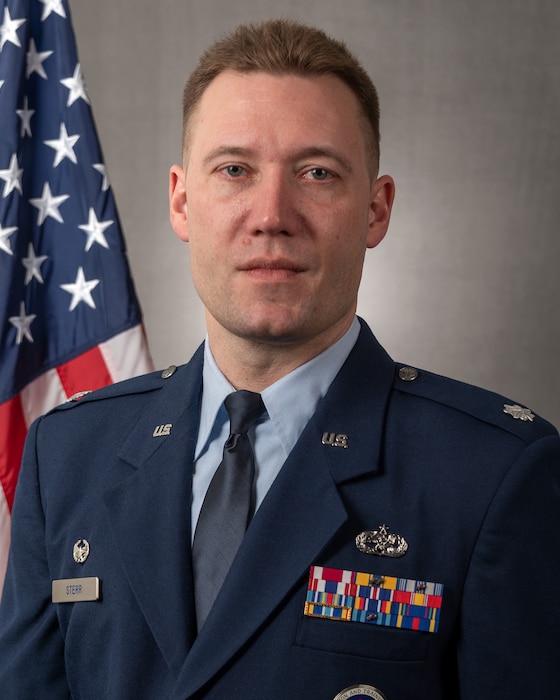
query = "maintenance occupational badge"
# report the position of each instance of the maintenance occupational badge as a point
(382, 543)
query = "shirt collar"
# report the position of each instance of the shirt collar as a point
(215, 388)
(290, 402)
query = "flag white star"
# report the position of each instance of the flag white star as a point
(52, 6)
(35, 60)
(12, 177)
(5, 233)
(25, 115)
(22, 323)
(80, 290)
(100, 167)
(32, 264)
(63, 146)
(95, 230)
(76, 86)
(8, 29)
(48, 205)
(2, 83)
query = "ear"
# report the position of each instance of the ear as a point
(382, 196)
(178, 202)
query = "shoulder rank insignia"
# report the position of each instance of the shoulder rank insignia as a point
(381, 543)
(77, 396)
(518, 412)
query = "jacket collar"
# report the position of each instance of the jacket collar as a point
(353, 411)
(149, 510)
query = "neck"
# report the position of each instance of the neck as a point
(256, 364)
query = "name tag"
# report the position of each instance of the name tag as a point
(75, 590)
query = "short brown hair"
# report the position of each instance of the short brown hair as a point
(280, 47)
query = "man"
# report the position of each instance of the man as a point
(404, 534)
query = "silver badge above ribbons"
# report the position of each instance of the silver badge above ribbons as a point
(381, 543)
(360, 692)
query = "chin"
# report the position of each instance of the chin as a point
(270, 330)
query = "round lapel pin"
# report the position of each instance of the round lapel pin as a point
(360, 692)
(81, 551)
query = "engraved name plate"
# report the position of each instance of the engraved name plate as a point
(75, 590)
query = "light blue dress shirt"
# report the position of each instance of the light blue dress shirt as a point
(290, 402)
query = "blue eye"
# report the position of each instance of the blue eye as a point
(319, 173)
(234, 170)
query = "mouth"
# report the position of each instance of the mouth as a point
(272, 268)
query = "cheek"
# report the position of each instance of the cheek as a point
(204, 262)
(344, 258)
(213, 223)
(348, 239)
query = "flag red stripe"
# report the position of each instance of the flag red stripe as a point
(86, 372)
(12, 437)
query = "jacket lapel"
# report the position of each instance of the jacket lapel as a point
(307, 489)
(150, 511)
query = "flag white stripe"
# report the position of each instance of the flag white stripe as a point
(40, 395)
(126, 355)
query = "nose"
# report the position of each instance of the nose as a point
(273, 205)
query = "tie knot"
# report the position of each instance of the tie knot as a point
(244, 409)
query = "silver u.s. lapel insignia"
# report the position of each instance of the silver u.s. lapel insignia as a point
(381, 543)
(360, 692)
(162, 430)
(335, 439)
(518, 412)
(81, 551)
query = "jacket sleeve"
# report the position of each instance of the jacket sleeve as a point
(31, 644)
(509, 637)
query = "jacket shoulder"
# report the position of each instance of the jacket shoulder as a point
(477, 403)
(128, 387)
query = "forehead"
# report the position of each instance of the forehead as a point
(238, 105)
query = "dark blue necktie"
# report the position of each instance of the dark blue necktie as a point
(227, 507)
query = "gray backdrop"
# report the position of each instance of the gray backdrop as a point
(466, 283)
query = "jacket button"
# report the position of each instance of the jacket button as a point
(408, 374)
(169, 372)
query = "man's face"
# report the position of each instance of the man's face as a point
(278, 206)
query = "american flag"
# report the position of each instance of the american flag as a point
(69, 316)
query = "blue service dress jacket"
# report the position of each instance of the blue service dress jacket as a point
(408, 550)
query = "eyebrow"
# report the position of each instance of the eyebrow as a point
(325, 152)
(308, 152)
(221, 151)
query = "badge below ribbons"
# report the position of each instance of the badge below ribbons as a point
(354, 596)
